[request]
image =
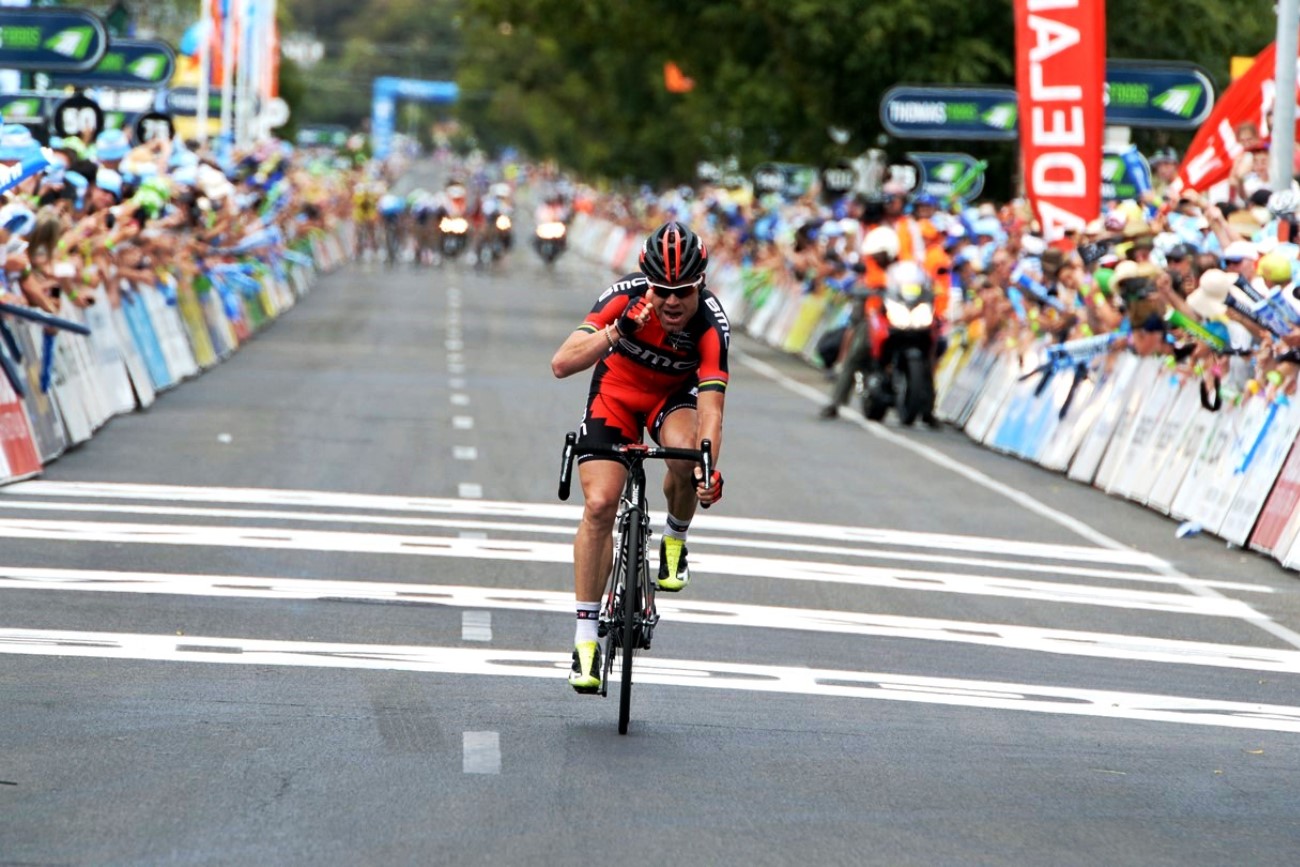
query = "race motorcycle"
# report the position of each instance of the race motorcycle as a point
(904, 337)
(550, 241)
(453, 236)
(496, 240)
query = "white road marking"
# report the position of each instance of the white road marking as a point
(277, 538)
(476, 626)
(649, 671)
(482, 752)
(699, 542)
(571, 514)
(1066, 642)
(1016, 496)
(459, 399)
(455, 358)
(456, 368)
(463, 422)
(470, 491)
(464, 453)
(471, 534)
(456, 382)
(453, 345)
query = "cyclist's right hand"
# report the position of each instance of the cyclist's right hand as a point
(636, 314)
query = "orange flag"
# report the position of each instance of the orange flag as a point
(675, 80)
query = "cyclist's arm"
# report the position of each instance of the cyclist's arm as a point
(582, 349)
(596, 336)
(708, 408)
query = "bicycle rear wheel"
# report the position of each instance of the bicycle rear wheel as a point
(632, 542)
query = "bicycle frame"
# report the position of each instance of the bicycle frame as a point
(627, 615)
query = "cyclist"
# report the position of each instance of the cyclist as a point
(658, 340)
(365, 214)
(391, 208)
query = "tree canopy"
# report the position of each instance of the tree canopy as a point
(582, 81)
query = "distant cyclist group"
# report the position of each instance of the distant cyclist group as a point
(426, 227)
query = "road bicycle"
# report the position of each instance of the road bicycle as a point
(627, 615)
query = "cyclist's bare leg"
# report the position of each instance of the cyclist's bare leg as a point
(593, 548)
(679, 431)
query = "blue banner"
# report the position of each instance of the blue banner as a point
(940, 172)
(1124, 174)
(144, 64)
(51, 40)
(383, 108)
(1156, 95)
(977, 113)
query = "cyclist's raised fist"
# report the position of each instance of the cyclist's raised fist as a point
(634, 316)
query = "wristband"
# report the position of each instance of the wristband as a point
(609, 338)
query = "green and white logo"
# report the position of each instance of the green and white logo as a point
(1001, 116)
(948, 172)
(150, 67)
(73, 42)
(21, 108)
(1113, 169)
(1181, 100)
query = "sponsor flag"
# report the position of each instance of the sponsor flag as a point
(1249, 99)
(1060, 82)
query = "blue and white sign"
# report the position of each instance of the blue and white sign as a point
(1156, 95)
(383, 106)
(133, 63)
(51, 40)
(977, 113)
(940, 173)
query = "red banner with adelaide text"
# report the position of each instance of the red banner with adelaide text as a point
(1214, 150)
(1060, 81)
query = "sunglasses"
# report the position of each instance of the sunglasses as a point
(675, 291)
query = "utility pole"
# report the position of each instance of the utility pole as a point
(1282, 164)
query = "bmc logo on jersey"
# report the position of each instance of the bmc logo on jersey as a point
(714, 305)
(650, 358)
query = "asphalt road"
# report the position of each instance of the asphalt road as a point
(314, 608)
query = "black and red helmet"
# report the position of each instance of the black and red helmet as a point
(673, 256)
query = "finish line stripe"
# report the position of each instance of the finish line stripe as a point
(571, 514)
(664, 672)
(699, 541)
(477, 623)
(274, 538)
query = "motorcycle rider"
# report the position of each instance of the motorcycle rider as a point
(880, 251)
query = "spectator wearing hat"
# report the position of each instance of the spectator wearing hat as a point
(111, 147)
(1164, 168)
(911, 246)
(1239, 259)
(1178, 264)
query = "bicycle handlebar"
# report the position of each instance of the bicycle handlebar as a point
(635, 452)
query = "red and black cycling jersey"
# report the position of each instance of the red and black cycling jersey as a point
(654, 360)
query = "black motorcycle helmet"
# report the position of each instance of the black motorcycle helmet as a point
(673, 256)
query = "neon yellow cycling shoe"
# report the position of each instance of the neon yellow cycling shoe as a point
(673, 572)
(585, 676)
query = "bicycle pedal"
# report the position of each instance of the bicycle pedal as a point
(602, 629)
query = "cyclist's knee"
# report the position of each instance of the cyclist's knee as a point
(600, 509)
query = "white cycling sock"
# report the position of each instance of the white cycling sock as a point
(676, 529)
(588, 618)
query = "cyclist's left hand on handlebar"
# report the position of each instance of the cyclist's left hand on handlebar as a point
(711, 494)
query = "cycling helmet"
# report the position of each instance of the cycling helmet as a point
(881, 240)
(673, 256)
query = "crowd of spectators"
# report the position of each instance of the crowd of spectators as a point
(106, 212)
(1206, 280)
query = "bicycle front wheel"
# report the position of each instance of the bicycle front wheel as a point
(632, 542)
